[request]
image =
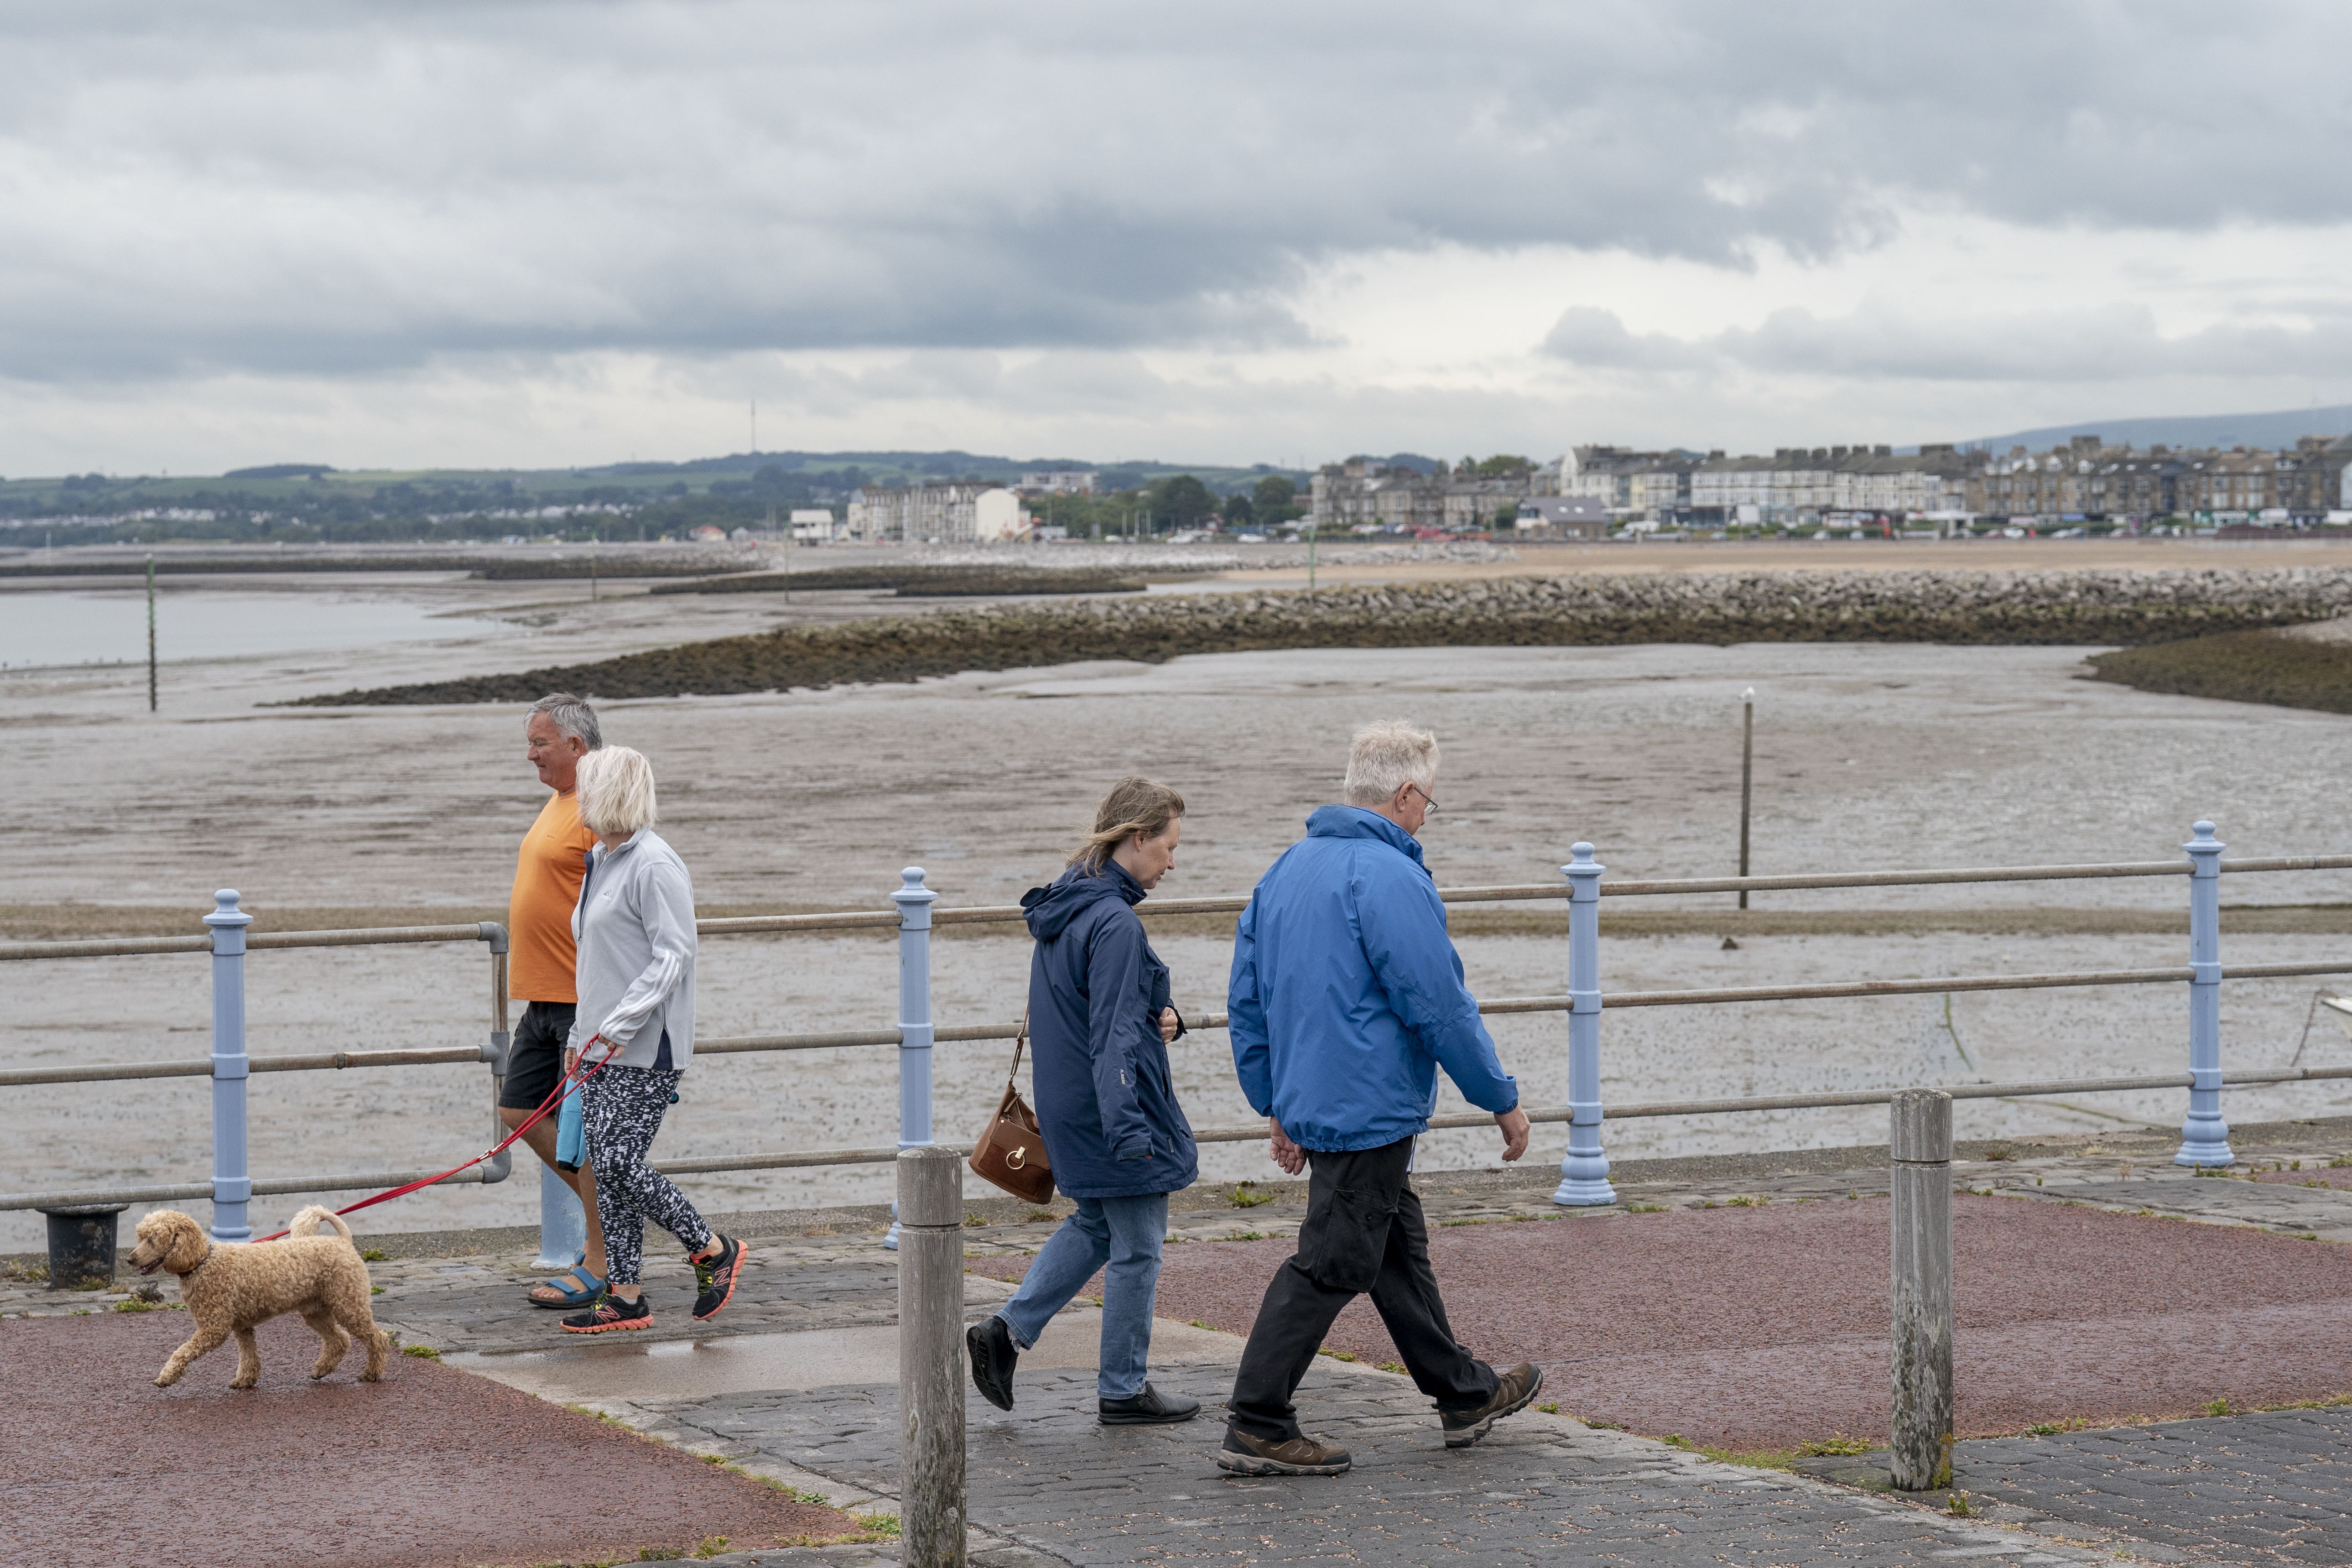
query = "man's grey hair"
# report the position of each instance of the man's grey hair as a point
(1387, 756)
(572, 716)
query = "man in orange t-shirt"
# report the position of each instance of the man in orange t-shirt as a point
(561, 731)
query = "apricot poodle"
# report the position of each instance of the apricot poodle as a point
(230, 1289)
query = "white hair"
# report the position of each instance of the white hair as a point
(571, 716)
(616, 791)
(1387, 756)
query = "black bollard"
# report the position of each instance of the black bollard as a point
(81, 1244)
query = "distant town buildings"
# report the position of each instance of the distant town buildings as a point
(960, 511)
(915, 514)
(2085, 481)
(997, 516)
(1565, 517)
(1360, 493)
(1059, 482)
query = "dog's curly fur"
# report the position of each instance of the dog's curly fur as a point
(231, 1288)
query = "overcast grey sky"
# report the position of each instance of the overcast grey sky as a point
(483, 233)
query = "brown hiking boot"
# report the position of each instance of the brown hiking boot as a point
(1513, 1390)
(1302, 1455)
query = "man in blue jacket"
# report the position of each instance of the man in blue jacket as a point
(1346, 996)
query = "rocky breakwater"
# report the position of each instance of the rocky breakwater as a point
(2089, 607)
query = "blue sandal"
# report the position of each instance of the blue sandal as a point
(575, 1287)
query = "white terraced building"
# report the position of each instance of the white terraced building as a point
(915, 514)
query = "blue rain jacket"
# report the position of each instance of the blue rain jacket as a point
(1106, 1102)
(1346, 993)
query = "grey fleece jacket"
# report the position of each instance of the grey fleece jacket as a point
(635, 927)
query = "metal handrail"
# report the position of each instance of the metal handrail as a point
(278, 1186)
(730, 1044)
(984, 914)
(790, 1158)
(1558, 1114)
(915, 915)
(363, 936)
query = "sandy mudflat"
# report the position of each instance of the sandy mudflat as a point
(1868, 756)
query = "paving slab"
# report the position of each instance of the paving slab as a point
(2273, 1487)
(612, 1370)
(795, 1381)
(1542, 1489)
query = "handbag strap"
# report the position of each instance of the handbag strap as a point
(1020, 1044)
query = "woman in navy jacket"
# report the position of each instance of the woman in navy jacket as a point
(1099, 1028)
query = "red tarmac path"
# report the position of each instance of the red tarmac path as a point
(432, 1467)
(1767, 1327)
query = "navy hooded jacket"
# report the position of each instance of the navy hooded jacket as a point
(1346, 993)
(1106, 1102)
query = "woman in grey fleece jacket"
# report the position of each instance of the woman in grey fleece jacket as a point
(635, 928)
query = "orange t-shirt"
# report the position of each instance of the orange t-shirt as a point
(548, 871)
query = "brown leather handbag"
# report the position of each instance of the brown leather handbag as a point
(1010, 1152)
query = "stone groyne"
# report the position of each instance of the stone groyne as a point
(924, 581)
(2088, 607)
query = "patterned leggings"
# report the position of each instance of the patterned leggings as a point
(621, 1109)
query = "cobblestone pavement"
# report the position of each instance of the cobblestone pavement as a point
(1543, 1488)
(2235, 1489)
(2273, 1487)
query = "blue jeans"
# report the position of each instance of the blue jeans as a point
(1125, 1234)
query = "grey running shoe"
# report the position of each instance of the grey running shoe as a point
(1244, 1455)
(993, 1357)
(1513, 1390)
(1148, 1408)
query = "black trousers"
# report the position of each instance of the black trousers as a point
(1364, 1231)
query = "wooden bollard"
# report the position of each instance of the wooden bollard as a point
(931, 1512)
(1921, 1144)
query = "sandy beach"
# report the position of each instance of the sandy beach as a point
(1866, 756)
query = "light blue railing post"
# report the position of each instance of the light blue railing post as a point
(2205, 1136)
(1584, 1172)
(915, 1029)
(232, 1184)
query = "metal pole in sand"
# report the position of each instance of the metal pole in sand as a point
(151, 634)
(2204, 1136)
(915, 1027)
(932, 1502)
(1747, 776)
(1920, 1144)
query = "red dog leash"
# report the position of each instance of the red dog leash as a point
(564, 1084)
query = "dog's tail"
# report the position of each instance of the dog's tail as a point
(306, 1222)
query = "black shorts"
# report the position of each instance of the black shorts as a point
(535, 1060)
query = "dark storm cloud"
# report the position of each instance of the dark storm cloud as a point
(344, 187)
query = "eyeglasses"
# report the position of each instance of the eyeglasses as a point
(1428, 802)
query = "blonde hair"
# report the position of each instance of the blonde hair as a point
(616, 791)
(1135, 805)
(1387, 756)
